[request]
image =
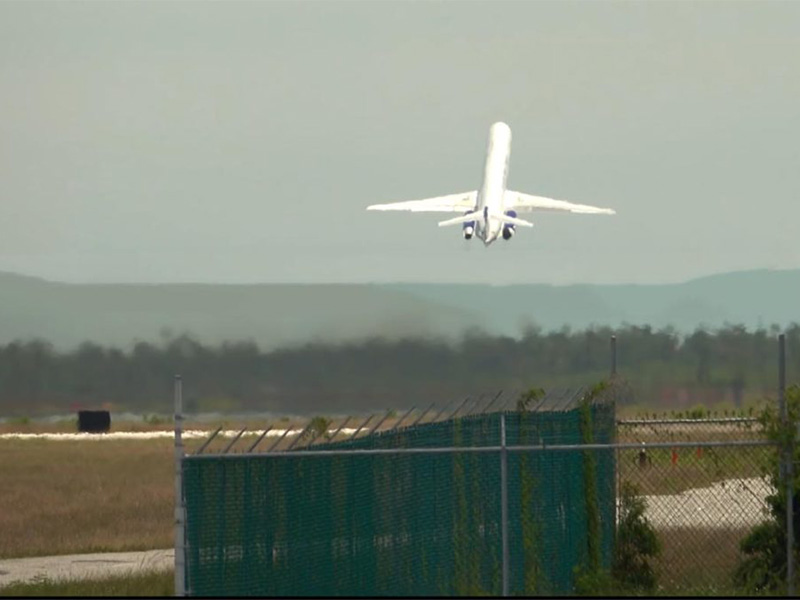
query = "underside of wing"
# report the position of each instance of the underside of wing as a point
(527, 202)
(452, 203)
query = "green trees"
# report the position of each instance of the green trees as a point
(730, 364)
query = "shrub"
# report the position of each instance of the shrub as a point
(763, 567)
(529, 398)
(155, 419)
(697, 412)
(637, 543)
(318, 427)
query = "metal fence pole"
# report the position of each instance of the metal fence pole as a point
(180, 507)
(617, 471)
(787, 466)
(504, 500)
(613, 356)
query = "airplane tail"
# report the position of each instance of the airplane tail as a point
(477, 215)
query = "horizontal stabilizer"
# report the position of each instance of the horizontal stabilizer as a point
(527, 202)
(473, 216)
(512, 220)
(451, 203)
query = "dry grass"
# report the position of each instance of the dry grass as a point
(698, 558)
(64, 497)
(157, 584)
(692, 469)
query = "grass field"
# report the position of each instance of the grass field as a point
(70, 497)
(692, 469)
(160, 583)
(697, 558)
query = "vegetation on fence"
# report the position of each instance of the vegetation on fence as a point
(636, 545)
(317, 427)
(590, 478)
(722, 368)
(764, 566)
(635, 541)
(528, 399)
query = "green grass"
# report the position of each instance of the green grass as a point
(158, 583)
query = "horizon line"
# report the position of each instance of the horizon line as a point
(394, 282)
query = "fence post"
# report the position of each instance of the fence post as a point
(180, 507)
(787, 466)
(613, 356)
(504, 500)
(617, 474)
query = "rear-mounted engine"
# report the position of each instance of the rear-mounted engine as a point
(508, 228)
(469, 228)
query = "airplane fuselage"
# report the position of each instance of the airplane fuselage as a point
(493, 188)
(490, 211)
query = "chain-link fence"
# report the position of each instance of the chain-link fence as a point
(446, 507)
(705, 486)
(468, 500)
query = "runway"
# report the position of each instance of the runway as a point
(75, 566)
(154, 435)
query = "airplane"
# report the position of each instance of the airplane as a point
(491, 211)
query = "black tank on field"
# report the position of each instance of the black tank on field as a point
(94, 421)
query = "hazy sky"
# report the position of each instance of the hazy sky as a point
(241, 142)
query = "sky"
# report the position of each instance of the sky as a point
(240, 142)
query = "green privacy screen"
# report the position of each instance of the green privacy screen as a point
(406, 524)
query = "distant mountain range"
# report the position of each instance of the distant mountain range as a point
(275, 315)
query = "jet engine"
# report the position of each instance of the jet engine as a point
(508, 228)
(469, 228)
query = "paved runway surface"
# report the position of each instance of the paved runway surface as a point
(153, 435)
(83, 565)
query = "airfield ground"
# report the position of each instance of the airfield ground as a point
(84, 566)
(71, 496)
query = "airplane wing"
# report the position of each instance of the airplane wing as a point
(451, 203)
(526, 202)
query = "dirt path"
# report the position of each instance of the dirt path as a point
(83, 565)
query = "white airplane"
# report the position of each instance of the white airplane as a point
(492, 210)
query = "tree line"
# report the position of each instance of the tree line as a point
(664, 368)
